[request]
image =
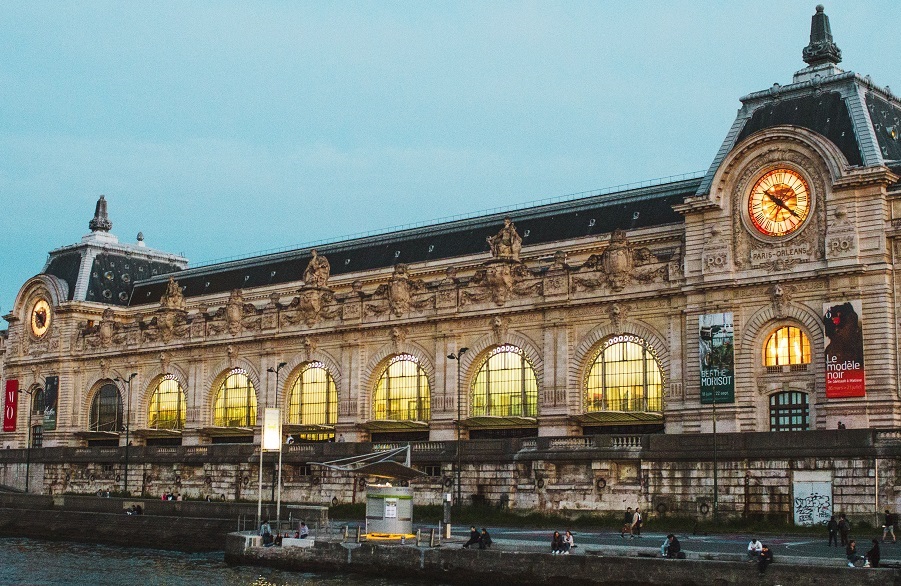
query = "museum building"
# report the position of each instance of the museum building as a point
(765, 288)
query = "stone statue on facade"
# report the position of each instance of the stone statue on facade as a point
(507, 243)
(317, 271)
(173, 297)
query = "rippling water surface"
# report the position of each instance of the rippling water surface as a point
(29, 562)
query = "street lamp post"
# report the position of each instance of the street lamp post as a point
(278, 515)
(716, 495)
(127, 427)
(458, 357)
(28, 437)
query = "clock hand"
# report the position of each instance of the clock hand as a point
(780, 203)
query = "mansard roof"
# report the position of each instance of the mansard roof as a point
(860, 118)
(589, 216)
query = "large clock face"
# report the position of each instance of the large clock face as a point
(779, 202)
(40, 318)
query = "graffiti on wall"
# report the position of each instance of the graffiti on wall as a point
(813, 503)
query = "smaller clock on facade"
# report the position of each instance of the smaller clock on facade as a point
(40, 318)
(779, 202)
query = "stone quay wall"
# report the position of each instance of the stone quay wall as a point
(455, 566)
(757, 473)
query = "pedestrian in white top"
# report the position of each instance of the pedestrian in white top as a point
(754, 549)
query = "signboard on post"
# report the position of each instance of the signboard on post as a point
(272, 430)
(716, 354)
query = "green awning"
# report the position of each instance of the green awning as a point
(619, 418)
(394, 425)
(492, 422)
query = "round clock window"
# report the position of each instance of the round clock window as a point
(40, 318)
(779, 202)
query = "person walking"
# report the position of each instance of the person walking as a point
(832, 526)
(627, 523)
(637, 522)
(844, 528)
(889, 525)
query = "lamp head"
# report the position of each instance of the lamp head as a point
(462, 351)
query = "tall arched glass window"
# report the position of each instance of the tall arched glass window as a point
(789, 411)
(786, 346)
(106, 409)
(505, 385)
(236, 401)
(314, 397)
(168, 405)
(624, 376)
(402, 393)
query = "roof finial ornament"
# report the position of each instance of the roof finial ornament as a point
(101, 222)
(822, 49)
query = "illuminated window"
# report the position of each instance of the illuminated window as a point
(106, 409)
(167, 405)
(786, 346)
(789, 411)
(402, 392)
(236, 402)
(37, 401)
(314, 400)
(624, 376)
(505, 385)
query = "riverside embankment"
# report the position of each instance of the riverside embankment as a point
(503, 567)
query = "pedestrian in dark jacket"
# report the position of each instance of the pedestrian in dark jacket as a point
(627, 523)
(473, 537)
(673, 547)
(764, 559)
(874, 555)
(484, 539)
(832, 526)
(556, 543)
(889, 525)
(851, 553)
(844, 529)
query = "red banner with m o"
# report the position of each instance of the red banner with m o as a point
(10, 406)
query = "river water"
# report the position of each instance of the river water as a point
(30, 562)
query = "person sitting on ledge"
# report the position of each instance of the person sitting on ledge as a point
(764, 559)
(674, 548)
(556, 543)
(304, 530)
(473, 537)
(484, 539)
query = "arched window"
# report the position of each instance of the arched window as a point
(236, 401)
(314, 398)
(624, 376)
(787, 346)
(402, 393)
(789, 411)
(37, 418)
(106, 409)
(168, 405)
(505, 385)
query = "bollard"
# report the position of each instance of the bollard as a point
(344, 539)
(418, 537)
(358, 534)
(432, 538)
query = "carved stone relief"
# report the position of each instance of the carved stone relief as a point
(841, 238)
(716, 257)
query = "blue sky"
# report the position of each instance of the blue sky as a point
(226, 128)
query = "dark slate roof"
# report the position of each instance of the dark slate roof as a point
(596, 215)
(826, 114)
(113, 276)
(65, 267)
(886, 119)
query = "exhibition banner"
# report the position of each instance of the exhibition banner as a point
(716, 352)
(10, 409)
(51, 396)
(844, 349)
